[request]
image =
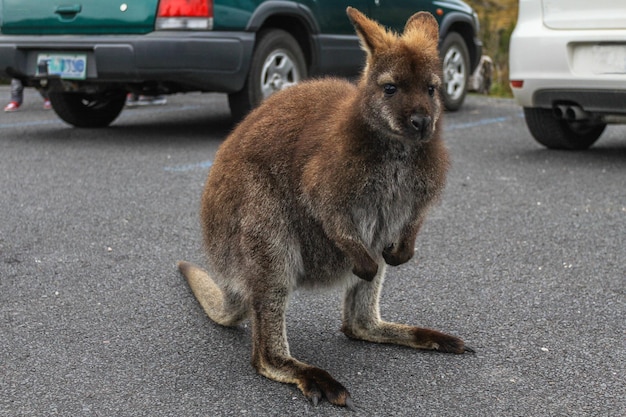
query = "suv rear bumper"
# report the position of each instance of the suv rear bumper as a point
(182, 61)
(591, 100)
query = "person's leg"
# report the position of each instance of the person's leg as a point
(46, 99)
(17, 95)
(17, 91)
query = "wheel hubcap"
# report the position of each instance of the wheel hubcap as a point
(454, 72)
(279, 72)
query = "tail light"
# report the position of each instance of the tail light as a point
(185, 15)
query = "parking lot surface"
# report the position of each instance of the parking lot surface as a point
(524, 258)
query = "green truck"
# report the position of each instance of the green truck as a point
(89, 55)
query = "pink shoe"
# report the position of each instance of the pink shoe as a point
(47, 105)
(12, 106)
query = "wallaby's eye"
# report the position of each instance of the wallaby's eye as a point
(390, 89)
(431, 90)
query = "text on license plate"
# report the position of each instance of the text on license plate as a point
(70, 66)
(609, 59)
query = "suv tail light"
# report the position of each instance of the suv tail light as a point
(185, 15)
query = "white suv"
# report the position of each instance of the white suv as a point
(568, 69)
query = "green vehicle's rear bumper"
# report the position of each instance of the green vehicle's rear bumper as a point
(187, 61)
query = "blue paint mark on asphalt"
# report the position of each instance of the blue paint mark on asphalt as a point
(480, 122)
(189, 167)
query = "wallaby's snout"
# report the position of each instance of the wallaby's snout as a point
(423, 125)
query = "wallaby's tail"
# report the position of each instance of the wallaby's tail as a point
(223, 308)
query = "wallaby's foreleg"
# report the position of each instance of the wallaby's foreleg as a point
(346, 239)
(403, 250)
(221, 306)
(271, 357)
(361, 320)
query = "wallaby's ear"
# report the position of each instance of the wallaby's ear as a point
(424, 22)
(374, 37)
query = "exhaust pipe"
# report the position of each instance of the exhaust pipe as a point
(559, 111)
(575, 113)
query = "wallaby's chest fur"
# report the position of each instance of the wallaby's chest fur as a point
(305, 156)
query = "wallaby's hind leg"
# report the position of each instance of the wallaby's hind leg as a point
(221, 306)
(361, 320)
(271, 357)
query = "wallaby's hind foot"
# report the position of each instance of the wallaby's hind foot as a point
(415, 337)
(271, 357)
(316, 383)
(441, 342)
(223, 308)
(361, 321)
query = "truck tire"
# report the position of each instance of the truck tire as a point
(88, 110)
(556, 133)
(456, 68)
(277, 63)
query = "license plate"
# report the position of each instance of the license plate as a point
(599, 59)
(69, 66)
(609, 59)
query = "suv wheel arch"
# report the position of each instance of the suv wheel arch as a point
(272, 8)
(296, 19)
(277, 62)
(463, 25)
(282, 28)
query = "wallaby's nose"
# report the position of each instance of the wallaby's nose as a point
(421, 123)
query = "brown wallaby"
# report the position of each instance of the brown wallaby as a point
(324, 184)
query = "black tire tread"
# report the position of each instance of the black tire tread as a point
(102, 109)
(451, 39)
(555, 133)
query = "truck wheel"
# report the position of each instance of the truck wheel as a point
(88, 110)
(277, 63)
(456, 68)
(556, 133)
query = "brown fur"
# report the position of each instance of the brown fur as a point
(324, 184)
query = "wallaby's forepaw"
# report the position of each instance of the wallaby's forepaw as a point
(395, 255)
(441, 342)
(317, 384)
(366, 270)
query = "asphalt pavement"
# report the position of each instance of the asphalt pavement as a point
(524, 258)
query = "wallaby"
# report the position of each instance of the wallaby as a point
(324, 184)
